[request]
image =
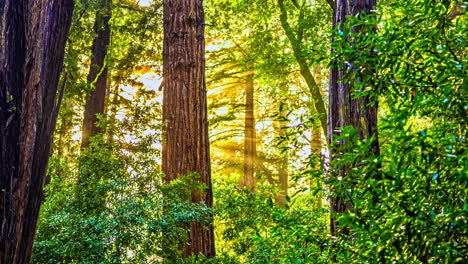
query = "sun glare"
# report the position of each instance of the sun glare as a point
(145, 2)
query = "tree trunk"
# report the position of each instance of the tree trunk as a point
(33, 35)
(97, 77)
(250, 138)
(297, 46)
(344, 110)
(186, 146)
(283, 177)
(316, 151)
(316, 143)
(282, 165)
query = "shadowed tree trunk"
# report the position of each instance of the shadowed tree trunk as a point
(186, 146)
(345, 110)
(94, 106)
(33, 35)
(249, 135)
(97, 77)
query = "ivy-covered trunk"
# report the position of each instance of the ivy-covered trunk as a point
(33, 35)
(97, 77)
(186, 146)
(345, 109)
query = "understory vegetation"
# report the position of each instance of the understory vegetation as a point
(110, 203)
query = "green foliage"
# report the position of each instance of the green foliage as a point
(409, 204)
(110, 204)
(102, 218)
(256, 230)
(115, 215)
(179, 213)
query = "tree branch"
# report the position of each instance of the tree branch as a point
(268, 172)
(300, 30)
(314, 89)
(284, 22)
(132, 8)
(295, 3)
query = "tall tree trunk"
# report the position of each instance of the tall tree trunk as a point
(97, 77)
(344, 110)
(282, 165)
(186, 146)
(33, 35)
(283, 177)
(316, 143)
(250, 137)
(316, 151)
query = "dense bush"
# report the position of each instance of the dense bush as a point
(253, 227)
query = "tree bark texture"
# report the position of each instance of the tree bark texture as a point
(97, 76)
(249, 136)
(186, 145)
(345, 110)
(33, 35)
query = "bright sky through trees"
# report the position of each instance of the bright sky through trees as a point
(145, 2)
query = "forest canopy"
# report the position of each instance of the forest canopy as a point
(233, 131)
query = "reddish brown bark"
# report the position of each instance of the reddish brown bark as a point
(186, 146)
(33, 34)
(249, 136)
(97, 77)
(345, 110)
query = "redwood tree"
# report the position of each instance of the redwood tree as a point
(97, 77)
(345, 109)
(186, 146)
(33, 37)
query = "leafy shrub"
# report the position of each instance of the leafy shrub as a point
(409, 204)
